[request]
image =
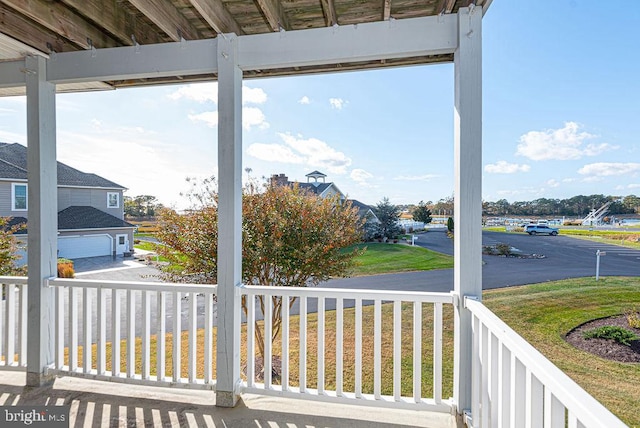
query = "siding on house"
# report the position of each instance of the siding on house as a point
(96, 198)
(5, 201)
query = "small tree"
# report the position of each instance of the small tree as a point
(450, 225)
(388, 214)
(291, 238)
(8, 248)
(422, 213)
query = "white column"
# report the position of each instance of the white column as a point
(468, 192)
(43, 218)
(229, 220)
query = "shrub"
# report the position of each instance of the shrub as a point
(619, 334)
(633, 317)
(503, 249)
(65, 268)
(488, 249)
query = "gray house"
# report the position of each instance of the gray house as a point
(90, 208)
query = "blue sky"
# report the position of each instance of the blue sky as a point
(560, 115)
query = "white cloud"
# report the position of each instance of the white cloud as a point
(633, 186)
(553, 183)
(251, 116)
(338, 103)
(609, 169)
(503, 167)
(304, 100)
(199, 92)
(208, 92)
(313, 152)
(361, 177)
(425, 177)
(559, 144)
(274, 153)
(210, 118)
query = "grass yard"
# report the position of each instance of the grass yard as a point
(391, 258)
(544, 313)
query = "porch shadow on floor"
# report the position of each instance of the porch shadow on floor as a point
(107, 404)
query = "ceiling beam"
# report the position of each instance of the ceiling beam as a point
(116, 20)
(214, 12)
(405, 38)
(272, 10)
(446, 6)
(62, 20)
(386, 10)
(330, 16)
(166, 16)
(20, 28)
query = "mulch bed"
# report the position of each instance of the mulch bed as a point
(606, 348)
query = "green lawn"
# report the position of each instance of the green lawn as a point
(390, 258)
(544, 313)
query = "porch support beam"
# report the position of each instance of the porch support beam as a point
(12, 74)
(42, 202)
(467, 193)
(229, 220)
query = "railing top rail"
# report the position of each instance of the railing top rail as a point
(563, 387)
(132, 285)
(347, 293)
(13, 280)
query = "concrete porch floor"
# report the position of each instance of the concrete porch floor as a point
(110, 404)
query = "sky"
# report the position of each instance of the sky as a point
(561, 117)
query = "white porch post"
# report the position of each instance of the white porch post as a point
(468, 192)
(43, 218)
(229, 220)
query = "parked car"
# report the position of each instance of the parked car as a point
(535, 229)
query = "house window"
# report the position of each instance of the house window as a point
(18, 197)
(113, 200)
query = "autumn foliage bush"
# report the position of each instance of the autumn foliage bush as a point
(65, 269)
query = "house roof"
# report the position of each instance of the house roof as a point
(45, 27)
(316, 188)
(363, 209)
(88, 218)
(13, 165)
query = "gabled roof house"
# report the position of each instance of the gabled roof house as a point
(90, 208)
(324, 190)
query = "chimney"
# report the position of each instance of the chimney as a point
(279, 180)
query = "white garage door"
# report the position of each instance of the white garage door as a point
(75, 247)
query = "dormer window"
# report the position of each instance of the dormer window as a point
(113, 200)
(18, 197)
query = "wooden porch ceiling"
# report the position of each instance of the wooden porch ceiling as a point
(52, 26)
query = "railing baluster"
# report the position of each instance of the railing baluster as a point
(475, 372)
(10, 323)
(485, 403)
(268, 330)
(417, 354)
(321, 315)
(115, 332)
(131, 334)
(251, 339)
(303, 344)
(377, 348)
(504, 389)
(73, 329)
(494, 382)
(3, 331)
(177, 336)
(554, 411)
(518, 392)
(146, 335)
(437, 349)
(535, 401)
(193, 335)
(59, 329)
(339, 344)
(101, 340)
(87, 322)
(22, 326)
(161, 333)
(208, 342)
(358, 348)
(284, 377)
(397, 349)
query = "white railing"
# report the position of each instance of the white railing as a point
(129, 322)
(13, 323)
(514, 385)
(370, 328)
